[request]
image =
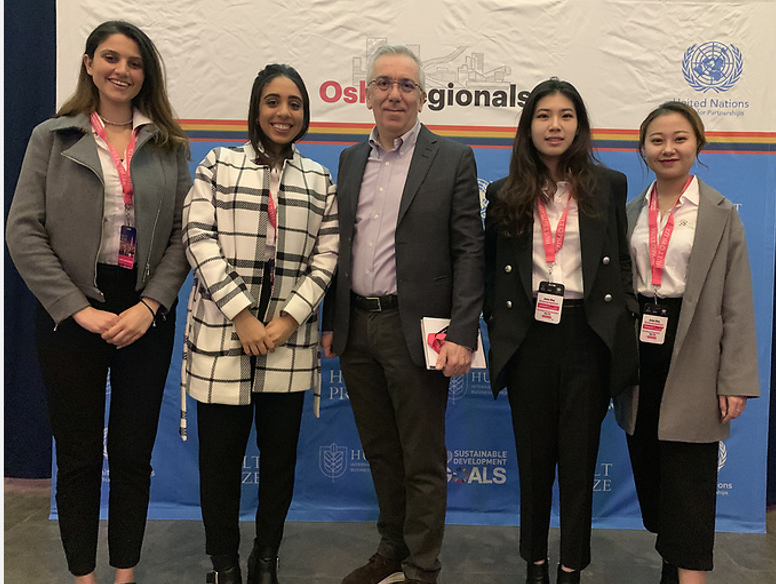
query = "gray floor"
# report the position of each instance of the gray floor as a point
(324, 552)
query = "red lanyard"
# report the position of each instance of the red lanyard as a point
(552, 245)
(122, 168)
(272, 213)
(658, 249)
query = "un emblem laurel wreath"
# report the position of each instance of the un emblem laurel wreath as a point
(694, 81)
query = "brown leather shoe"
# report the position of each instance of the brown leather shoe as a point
(378, 570)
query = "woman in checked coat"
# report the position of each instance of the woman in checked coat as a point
(260, 230)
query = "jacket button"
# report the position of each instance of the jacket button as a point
(509, 304)
(508, 269)
(606, 260)
(608, 298)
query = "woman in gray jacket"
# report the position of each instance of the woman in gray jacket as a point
(698, 352)
(95, 231)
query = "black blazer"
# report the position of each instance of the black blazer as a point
(439, 242)
(610, 305)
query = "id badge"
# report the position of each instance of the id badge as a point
(549, 302)
(654, 321)
(127, 246)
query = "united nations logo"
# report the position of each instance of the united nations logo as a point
(457, 387)
(722, 456)
(333, 460)
(712, 65)
(483, 186)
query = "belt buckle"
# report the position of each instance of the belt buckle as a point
(377, 300)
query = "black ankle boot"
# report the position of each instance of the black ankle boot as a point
(669, 574)
(231, 575)
(537, 573)
(565, 577)
(262, 568)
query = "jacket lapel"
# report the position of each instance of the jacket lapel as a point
(632, 211)
(425, 150)
(708, 232)
(592, 233)
(351, 180)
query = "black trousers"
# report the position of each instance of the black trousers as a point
(557, 392)
(399, 409)
(75, 365)
(223, 432)
(676, 482)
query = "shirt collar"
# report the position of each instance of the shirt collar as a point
(690, 195)
(401, 145)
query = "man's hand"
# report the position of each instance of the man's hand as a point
(253, 335)
(454, 360)
(327, 340)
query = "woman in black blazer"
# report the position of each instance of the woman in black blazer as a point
(559, 306)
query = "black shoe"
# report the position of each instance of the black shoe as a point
(378, 570)
(537, 573)
(565, 577)
(262, 570)
(669, 574)
(231, 575)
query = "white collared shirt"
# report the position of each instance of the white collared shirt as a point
(114, 215)
(679, 247)
(568, 259)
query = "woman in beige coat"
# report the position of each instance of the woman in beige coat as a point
(698, 352)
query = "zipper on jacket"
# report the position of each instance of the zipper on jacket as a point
(147, 269)
(102, 219)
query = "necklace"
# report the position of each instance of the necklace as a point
(109, 123)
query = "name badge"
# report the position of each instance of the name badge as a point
(549, 302)
(654, 321)
(127, 246)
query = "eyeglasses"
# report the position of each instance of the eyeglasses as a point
(386, 83)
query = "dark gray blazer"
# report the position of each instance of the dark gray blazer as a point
(606, 273)
(715, 352)
(439, 245)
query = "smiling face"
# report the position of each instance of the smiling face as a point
(395, 111)
(670, 146)
(117, 71)
(553, 128)
(281, 113)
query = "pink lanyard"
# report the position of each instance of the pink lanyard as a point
(272, 213)
(552, 245)
(122, 168)
(658, 249)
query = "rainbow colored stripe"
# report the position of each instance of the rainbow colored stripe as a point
(500, 137)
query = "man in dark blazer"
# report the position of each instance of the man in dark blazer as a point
(411, 246)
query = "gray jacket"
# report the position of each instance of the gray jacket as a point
(54, 227)
(715, 352)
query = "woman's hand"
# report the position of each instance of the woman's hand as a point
(94, 320)
(731, 406)
(253, 335)
(281, 328)
(132, 324)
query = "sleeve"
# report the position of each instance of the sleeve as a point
(310, 289)
(619, 196)
(738, 356)
(200, 239)
(28, 241)
(491, 241)
(169, 274)
(467, 252)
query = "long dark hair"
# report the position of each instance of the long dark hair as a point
(529, 176)
(151, 99)
(256, 135)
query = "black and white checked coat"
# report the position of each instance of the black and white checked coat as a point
(224, 233)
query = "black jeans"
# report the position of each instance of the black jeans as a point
(75, 365)
(223, 432)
